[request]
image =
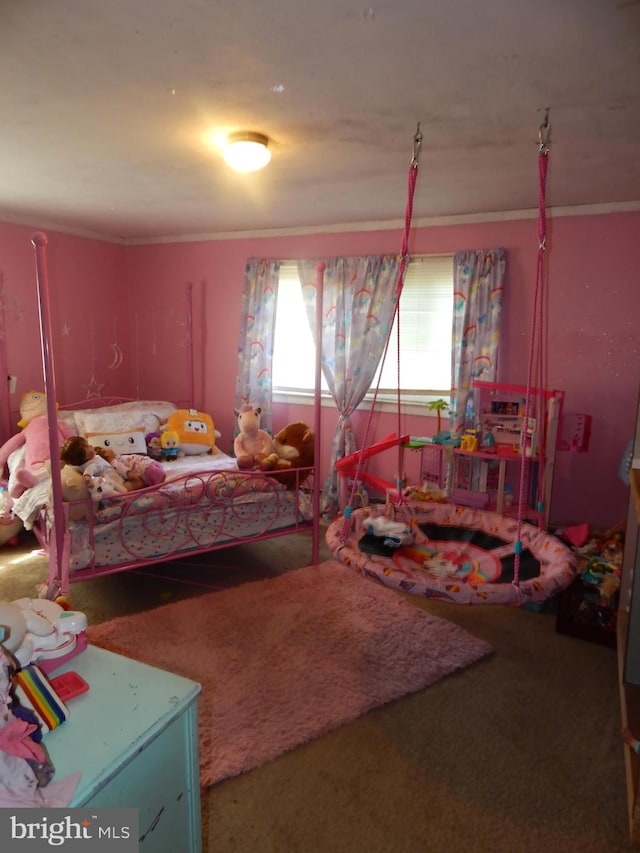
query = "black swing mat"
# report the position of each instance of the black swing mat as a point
(529, 565)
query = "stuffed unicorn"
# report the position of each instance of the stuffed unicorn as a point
(252, 445)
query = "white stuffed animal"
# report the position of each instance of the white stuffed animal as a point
(395, 533)
(36, 629)
(100, 488)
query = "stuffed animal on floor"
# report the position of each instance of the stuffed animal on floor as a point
(252, 445)
(35, 438)
(293, 447)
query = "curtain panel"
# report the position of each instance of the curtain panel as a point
(358, 306)
(478, 279)
(257, 329)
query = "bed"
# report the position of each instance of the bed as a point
(204, 503)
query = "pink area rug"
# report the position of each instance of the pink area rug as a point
(284, 660)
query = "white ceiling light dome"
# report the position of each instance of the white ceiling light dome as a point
(246, 151)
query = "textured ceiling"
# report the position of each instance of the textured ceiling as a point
(106, 107)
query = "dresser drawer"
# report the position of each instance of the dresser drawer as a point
(158, 782)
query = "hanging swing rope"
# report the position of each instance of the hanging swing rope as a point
(536, 342)
(404, 259)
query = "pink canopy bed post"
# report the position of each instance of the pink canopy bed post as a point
(317, 426)
(39, 241)
(4, 368)
(190, 367)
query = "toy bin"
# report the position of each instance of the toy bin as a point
(583, 613)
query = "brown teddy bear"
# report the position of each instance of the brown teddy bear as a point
(293, 448)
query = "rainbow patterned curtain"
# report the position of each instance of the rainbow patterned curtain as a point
(255, 349)
(478, 278)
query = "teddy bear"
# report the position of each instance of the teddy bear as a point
(75, 489)
(35, 439)
(293, 447)
(252, 445)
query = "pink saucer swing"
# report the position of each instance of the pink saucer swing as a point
(459, 554)
(460, 570)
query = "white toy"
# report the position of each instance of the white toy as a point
(10, 527)
(100, 488)
(36, 630)
(395, 533)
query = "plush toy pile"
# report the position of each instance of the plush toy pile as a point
(290, 449)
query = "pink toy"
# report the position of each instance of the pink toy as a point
(252, 445)
(35, 438)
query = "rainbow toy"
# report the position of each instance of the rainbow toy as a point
(33, 690)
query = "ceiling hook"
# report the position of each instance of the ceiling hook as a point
(544, 132)
(417, 142)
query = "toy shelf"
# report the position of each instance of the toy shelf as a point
(488, 476)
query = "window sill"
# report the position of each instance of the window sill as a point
(384, 403)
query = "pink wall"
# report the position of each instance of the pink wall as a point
(593, 350)
(88, 311)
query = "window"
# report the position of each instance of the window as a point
(426, 316)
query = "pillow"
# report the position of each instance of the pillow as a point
(68, 418)
(148, 414)
(160, 409)
(120, 441)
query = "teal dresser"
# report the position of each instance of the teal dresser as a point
(134, 736)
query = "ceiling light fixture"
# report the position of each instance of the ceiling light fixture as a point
(246, 151)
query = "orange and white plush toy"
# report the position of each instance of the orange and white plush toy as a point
(35, 438)
(196, 431)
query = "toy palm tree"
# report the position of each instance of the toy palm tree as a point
(438, 406)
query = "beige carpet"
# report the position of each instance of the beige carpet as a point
(519, 754)
(285, 660)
